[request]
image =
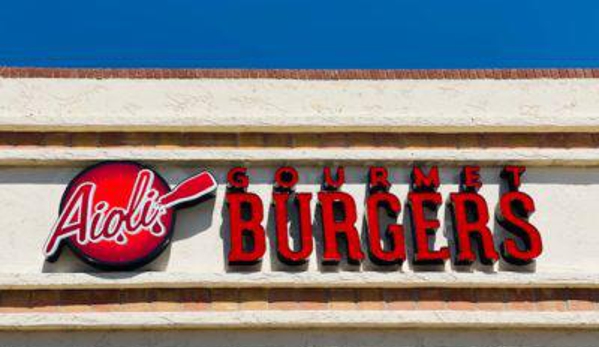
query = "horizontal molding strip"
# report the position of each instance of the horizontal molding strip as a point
(329, 74)
(294, 280)
(527, 156)
(274, 125)
(301, 320)
(262, 105)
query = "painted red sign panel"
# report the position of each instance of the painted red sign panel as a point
(120, 215)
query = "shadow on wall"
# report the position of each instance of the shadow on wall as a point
(308, 175)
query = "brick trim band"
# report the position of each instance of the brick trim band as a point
(299, 74)
(229, 299)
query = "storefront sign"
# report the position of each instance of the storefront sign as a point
(120, 215)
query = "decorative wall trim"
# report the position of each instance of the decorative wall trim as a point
(312, 74)
(525, 156)
(295, 280)
(301, 320)
(291, 106)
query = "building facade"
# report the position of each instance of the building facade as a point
(229, 270)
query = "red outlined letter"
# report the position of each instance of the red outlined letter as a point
(423, 182)
(470, 218)
(515, 209)
(329, 183)
(332, 227)
(424, 228)
(286, 178)
(237, 179)
(378, 179)
(284, 251)
(396, 253)
(245, 215)
(513, 176)
(471, 181)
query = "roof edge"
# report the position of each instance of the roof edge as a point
(297, 74)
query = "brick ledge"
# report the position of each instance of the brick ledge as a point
(301, 74)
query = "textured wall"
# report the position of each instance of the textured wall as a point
(213, 104)
(50, 129)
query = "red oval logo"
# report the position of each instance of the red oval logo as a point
(120, 215)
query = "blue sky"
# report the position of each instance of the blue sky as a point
(300, 33)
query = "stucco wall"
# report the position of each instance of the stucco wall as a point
(51, 129)
(296, 105)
